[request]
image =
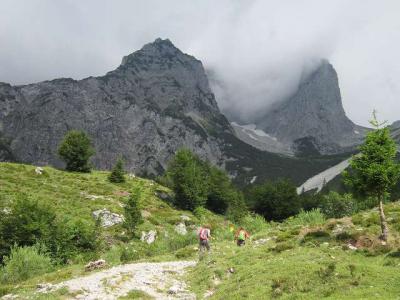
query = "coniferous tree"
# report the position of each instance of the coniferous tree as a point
(132, 214)
(189, 180)
(375, 170)
(117, 174)
(75, 150)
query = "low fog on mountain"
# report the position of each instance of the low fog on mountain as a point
(258, 51)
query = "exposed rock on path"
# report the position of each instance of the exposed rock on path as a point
(159, 280)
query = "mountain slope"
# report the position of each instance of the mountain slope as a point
(300, 258)
(157, 101)
(305, 258)
(313, 119)
(75, 197)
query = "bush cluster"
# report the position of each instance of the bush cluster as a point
(28, 222)
(197, 183)
(275, 200)
(23, 263)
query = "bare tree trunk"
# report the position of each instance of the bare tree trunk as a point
(384, 226)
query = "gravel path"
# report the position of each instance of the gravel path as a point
(159, 280)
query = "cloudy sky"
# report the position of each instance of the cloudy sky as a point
(257, 48)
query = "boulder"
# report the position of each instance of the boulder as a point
(163, 195)
(107, 218)
(93, 265)
(181, 229)
(149, 237)
(185, 218)
(39, 170)
(145, 214)
(44, 287)
(351, 247)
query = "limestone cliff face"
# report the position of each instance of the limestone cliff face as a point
(157, 101)
(314, 119)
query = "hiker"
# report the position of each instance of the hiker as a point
(241, 236)
(204, 236)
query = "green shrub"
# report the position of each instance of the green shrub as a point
(75, 150)
(275, 200)
(132, 214)
(24, 263)
(73, 237)
(178, 241)
(117, 174)
(327, 272)
(335, 205)
(284, 236)
(137, 295)
(254, 223)
(313, 217)
(279, 247)
(185, 252)
(316, 237)
(129, 254)
(26, 223)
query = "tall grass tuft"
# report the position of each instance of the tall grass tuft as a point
(307, 218)
(254, 223)
(24, 263)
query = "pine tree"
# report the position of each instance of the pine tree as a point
(132, 214)
(117, 174)
(75, 150)
(375, 170)
(189, 180)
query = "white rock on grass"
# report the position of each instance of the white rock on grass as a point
(93, 265)
(149, 237)
(107, 218)
(351, 247)
(185, 218)
(181, 229)
(39, 170)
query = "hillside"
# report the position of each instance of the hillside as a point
(306, 257)
(76, 196)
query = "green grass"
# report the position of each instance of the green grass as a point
(68, 193)
(303, 258)
(306, 258)
(137, 295)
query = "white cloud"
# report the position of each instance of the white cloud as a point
(259, 47)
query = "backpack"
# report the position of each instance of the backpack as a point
(203, 234)
(242, 235)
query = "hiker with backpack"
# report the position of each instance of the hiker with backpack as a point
(204, 236)
(241, 236)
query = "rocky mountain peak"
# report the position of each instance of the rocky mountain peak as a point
(314, 116)
(395, 125)
(159, 49)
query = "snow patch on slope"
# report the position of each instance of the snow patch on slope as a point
(317, 182)
(258, 138)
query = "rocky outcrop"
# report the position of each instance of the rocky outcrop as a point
(313, 120)
(149, 237)
(107, 218)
